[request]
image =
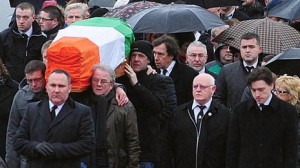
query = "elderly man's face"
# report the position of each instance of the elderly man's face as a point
(74, 15)
(101, 83)
(203, 88)
(196, 57)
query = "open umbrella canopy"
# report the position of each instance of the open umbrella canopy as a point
(288, 9)
(125, 12)
(275, 37)
(80, 46)
(286, 63)
(214, 3)
(174, 18)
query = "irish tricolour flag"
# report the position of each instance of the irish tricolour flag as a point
(80, 46)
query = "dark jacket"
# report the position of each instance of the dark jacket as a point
(148, 97)
(231, 83)
(239, 15)
(7, 93)
(71, 132)
(122, 135)
(208, 146)
(183, 77)
(266, 139)
(16, 53)
(23, 97)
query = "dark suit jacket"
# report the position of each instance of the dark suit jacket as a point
(241, 16)
(266, 139)
(212, 142)
(183, 77)
(71, 132)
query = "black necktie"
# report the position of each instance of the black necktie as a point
(165, 71)
(262, 107)
(200, 116)
(249, 68)
(52, 112)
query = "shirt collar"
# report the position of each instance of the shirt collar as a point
(202, 70)
(254, 65)
(58, 107)
(169, 69)
(28, 32)
(267, 102)
(207, 105)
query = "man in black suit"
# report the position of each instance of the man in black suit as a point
(230, 12)
(263, 131)
(196, 57)
(57, 131)
(165, 52)
(198, 129)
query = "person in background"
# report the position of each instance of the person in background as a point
(8, 89)
(287, 88)
(22, 42)
(74, 12)
(196, 57)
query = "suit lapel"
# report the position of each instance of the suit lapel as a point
(64, 112)
(175, 72)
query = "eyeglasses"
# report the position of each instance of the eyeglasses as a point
(194, 55)
(44, 19)
(201, 87)
(36, 80)
(102, 81)
(277, 91)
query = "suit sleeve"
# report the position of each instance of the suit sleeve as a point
(22, 143)
(86, 137)
(220, 95)
(233, 147)
(153, 98)
(290, 142)
(12, 158)
(132, 138)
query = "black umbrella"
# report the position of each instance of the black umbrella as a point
(288, 9)
(286, 63)
(207, 3)
(174, 18)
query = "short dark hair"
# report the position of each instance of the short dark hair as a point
(61, 71)
(171, 45)
(260, 73)
(26, 5)
(249, 36)
(35, 65)
(55, 13)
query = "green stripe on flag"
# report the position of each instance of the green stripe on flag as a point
(116, 23)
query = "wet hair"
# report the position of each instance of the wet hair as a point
(249, 36)
(75, 6)
(61, 71)
(171, 45)
(292, 85)
(196, 44)
(107, 69)
(35, 65)
(260, 73)
(26, 5)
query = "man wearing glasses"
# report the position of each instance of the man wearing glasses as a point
(51, 20)
(22, 42)
(198, 129)
(31, 90)
(196, 57)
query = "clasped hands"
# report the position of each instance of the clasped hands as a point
(45, 149)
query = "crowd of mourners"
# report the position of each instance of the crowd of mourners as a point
(185, 100)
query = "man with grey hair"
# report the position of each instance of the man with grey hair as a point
(196, 57)
(199, 128)
(74, 12)
(120, 121)
(215, 32)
